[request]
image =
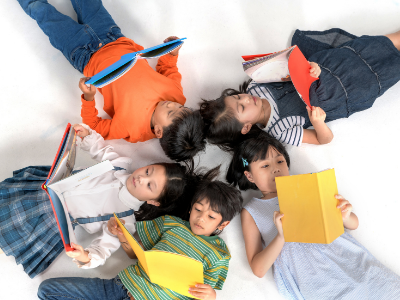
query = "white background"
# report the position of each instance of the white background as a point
(40, 95)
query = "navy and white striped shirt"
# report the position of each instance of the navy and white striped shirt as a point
(288, 130)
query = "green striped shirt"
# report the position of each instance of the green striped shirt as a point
(172, 234)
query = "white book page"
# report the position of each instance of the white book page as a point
(66, 162)
(82, 177)
(272, 70)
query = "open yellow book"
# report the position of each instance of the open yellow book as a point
(309, 206)
(173, 271)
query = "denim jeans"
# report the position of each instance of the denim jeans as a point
(76, 40)
(77, 288)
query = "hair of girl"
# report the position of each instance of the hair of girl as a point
(254, 148)
(221, 126)
(222, 198)
(170, 197)
(184, 138)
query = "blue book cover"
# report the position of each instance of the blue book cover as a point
(127, 61)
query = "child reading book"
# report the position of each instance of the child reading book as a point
(343, 269)
(28, 230)
(353, 72)
(213, 206)
(143, 104)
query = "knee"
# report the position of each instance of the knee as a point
(44, 289)
(31, 5)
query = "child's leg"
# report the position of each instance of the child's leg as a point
(76, 41)
(94, 14)
(82, 288)
(395, 38)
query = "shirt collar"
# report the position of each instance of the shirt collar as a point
(124, 195)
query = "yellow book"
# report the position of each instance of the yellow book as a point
(173, 271)
(309, 206)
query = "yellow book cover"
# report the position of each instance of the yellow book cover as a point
(310, 208)
(173, 271)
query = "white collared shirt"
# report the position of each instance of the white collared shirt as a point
(102, 195)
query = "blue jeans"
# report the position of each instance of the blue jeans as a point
(77, 288)
(77, 41)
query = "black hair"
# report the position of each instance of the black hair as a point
(221, 126)
(252, 149)
(169, 198)
(224, 199)
(184, 138)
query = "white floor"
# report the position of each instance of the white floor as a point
(40, 95)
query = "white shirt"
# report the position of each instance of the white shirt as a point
(102, 195)
(287, 130)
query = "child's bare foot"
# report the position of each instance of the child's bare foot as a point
(1, 251)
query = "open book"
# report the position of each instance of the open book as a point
(60, 180)
(285, 65)
(127, 61)
(174, 271)
(309, 206)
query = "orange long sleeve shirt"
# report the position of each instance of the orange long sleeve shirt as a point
(131, 99)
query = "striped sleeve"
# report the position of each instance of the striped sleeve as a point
(216, 275)
(288, 130)
(150, 232)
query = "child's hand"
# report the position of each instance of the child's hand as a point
(88, 91)
(171, 38)
(79, 253)
(80, 130)
(203, 291)
(113, 227)
(278, 222)
(316, 115)
(315, 70)
(345, 207)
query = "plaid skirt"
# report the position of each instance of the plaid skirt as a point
(28, 229)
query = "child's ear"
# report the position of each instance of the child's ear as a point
(152, 202)
(158, 131)
(223, 225)
(249, 176)
(246, 128)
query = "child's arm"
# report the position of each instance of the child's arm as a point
(113, 227)
(260, 259)
(109, 129)
(93, 143)
(166, 66)
(321, 134)
(350, 220)
(100, 249)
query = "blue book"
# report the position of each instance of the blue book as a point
(127, 61)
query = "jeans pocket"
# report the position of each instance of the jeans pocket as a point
(114, 33)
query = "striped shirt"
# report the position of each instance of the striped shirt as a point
(172, 234)
(288, 130)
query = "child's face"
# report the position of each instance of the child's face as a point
(203, 220)
(147, 183)
(264, 171)
(247, 108)
(164, 114)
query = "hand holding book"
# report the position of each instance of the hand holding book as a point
(172, 38)
(88, 90)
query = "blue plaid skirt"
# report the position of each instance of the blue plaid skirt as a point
(28, 229)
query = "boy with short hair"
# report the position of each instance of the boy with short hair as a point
(143, 103)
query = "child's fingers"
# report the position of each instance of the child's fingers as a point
(338, 196)
(343, 203)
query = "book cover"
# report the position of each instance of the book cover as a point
(173, 271)
(127, 61)
(310, 208)
(286, 65)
